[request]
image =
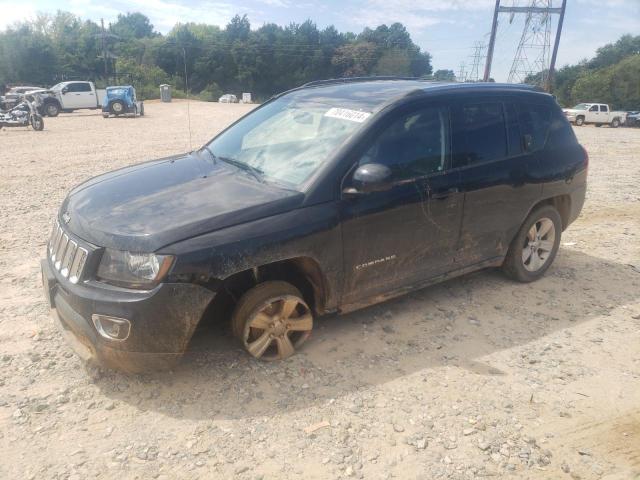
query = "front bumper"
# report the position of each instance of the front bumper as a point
(162, 320)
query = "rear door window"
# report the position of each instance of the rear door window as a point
(534, 122)
(79, 87)
(480, 134)
(604, 108)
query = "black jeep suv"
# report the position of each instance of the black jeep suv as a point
(327, 198)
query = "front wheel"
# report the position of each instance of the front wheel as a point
(580, 121)
(52, 109)
(272, 320)
(535, 246)
(37, 122)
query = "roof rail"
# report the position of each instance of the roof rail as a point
(355, 79)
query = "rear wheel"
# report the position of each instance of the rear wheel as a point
(142, 109)
(535, 246)
(580, 121)
(272, 320)
(615, 123)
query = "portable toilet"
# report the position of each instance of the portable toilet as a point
(246, 98)
(165, 92)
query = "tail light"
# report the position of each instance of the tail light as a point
(586, 157)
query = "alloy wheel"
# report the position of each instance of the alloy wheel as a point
(538, 244)
(276, 329)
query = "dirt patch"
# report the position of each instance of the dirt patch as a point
(474, 377)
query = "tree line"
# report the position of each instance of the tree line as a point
(212, 60)
(612, 76)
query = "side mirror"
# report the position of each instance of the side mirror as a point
(372, 177)
(527, 142)
(65, 90)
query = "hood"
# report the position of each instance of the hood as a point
(145, 207)
(42, 91)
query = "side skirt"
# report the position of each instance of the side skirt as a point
(368, 301)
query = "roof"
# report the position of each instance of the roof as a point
(119, 86)
(372, 93)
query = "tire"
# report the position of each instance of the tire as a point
(272, 320)
(117, 107)
(37, 122)
(52, 109)
(517, 265)
(579, 121)
(142, 109)
(615, 123)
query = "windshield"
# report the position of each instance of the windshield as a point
(581, 106)
(287, 141)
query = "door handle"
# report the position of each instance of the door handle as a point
(444, 194)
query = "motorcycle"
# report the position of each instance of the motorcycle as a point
(25, 113)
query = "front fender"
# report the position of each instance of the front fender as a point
(312, 232)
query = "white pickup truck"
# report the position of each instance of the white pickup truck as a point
(596, 113)
(69, 96)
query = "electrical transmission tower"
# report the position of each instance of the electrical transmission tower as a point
(462, 74)
(478, 55)
(533, 53)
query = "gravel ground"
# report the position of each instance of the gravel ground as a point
(476, 377)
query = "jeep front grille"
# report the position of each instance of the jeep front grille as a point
(66, 255)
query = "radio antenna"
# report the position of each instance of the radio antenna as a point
(186, 84)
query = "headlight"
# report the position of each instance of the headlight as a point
(133, 270)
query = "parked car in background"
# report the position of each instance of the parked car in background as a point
(633, 119)
(597, 113)
(327, 198)
(228, 98)
(121, 100)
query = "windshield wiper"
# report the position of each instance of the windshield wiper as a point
(254, 171)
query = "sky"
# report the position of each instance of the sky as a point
(448, 29)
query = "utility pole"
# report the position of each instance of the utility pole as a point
(532, 54)
(104, 46)
(106, 53)
(556, 44)
(492, 43)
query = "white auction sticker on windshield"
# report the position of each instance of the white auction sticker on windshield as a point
(347, 114)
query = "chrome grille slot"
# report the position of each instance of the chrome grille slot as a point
(55, 241)
(62, 247)
(68, 258)
(78, 265)
(66, 254)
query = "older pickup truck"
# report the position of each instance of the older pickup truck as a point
(596, 113)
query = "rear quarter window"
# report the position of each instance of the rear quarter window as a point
(534, 120)
(560, 131)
